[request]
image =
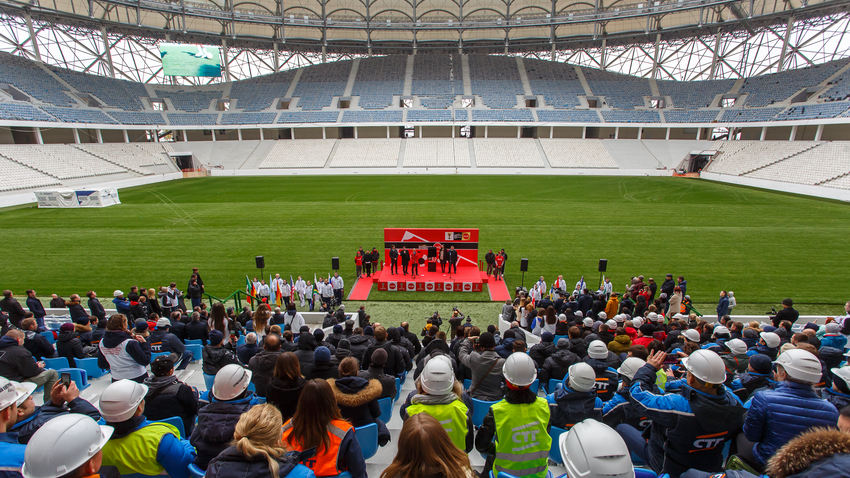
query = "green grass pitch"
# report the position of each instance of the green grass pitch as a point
(763, 245)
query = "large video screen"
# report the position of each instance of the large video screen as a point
(180, 59)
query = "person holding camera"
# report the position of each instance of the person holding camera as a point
(478, 355)
(64, 399)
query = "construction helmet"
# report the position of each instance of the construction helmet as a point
(692, 335)
(62, 445)
(121, 399)
(597, 350)
(720, 330)
(519, 369)
(801, 365)
(842, 374)
(437, 377)
(706, 365)
(592, 449)
(630, 366)
(581, 377)
(230, 382)
(771, 339)
(736, 346)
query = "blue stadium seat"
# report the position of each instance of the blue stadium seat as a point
(240, 340)
(367, 436)
(91, 367)
(49, 336)
(78, 375)
(397, 389)
(386, 405)
(56, 363)
(467, 383)
(553, 384)
(208, 380)
(177, 422)
(535, 386)
(555, 451)
(196, 349)
(480, 409)
(193, 342)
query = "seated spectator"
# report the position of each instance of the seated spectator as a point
(542, 350)
(438, 394)
(395, 361)
(262, 365)
(79, 316)
(777, 416)
(421, 439)
(703, 407)
(759, 375)
(485, 366)
(169, 397)
(69, 345)
(247, 350)
(818, 452)
(557, 364)
(162, 340)
(228, 399)
(318, 424)
(734, 355)
(593, 449)
(10, 305)
(18, 364)
(833, 337)
(306, 346)
(620, 409)
(523, 409)
(197, 329)
(137, 445)
(126, 355)
(36, 343)
(71, 443)
(256, 450)
(839, 394)
(343, 350)
(357, 398)
(11, 453)
(122, 305)
(376, 372)
(577, 400)
(286, 384)
(621, 342)
(62, 402)
(216, 356)
(768, 344)
(324, 364)
(601, 360)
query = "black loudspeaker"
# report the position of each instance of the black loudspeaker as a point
(603, 265)
(261, 262)
(432, 251)
(523, 264)
(335, 263)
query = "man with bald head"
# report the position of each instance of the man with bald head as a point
(262, 364)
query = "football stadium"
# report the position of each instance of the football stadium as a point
(420, 239)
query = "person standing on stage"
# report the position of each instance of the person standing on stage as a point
(414, 267)
(286, 292)
(264, 292)
(338, 287)
(504, 261)
(358, 263)
(452, 260)
(393, 260)
(376, 259)
(276, 283)
(405, 260)
(498, 266)
(327, 291)
(301, 289)
(490, 259)
(367, 263)
(443, 253)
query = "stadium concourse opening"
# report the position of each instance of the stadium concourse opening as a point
(430, 260)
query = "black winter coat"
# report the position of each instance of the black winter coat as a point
(284, 395)
(168, 397)
(231, 463)
(395, 365)
(217, 357)
(357, 399)
(38, 346)
(556, 366)
(70, 346)
(540, 352)
(358, 345)
(216, 423)
(262, 368)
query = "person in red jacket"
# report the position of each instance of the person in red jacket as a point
(499, 270)
(358, 263)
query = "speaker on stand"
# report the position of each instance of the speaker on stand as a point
(335, 263)
(523, 267)
(603, 266)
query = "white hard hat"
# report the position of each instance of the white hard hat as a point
(842, 374)
(612, 324)
(801, 365)
(706, 365)
(602, 315)
(117, 293)
(14, 393)
(736, 346)
(620, 318)
(437, 377)
(652, 316)
(519, 369)
(720, 329)
(121, 399)
(62, 445)
(594, 450)
(230, 381)
(588, 322)
(691, 335)
(637, 322)
(579, 313)
(581, 377)
(597, 350)
(679, 315)
(630, 366)
(163, 322)
(771, 339)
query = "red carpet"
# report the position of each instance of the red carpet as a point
(361, 289)
(498, 290)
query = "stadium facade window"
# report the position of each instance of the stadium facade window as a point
(408, 131)
(593, 102)
(657, 102)
(284, 103)
(344, 103)
(728, 101)
(406, 102)
(466, 131)
(223, 104)
(157, 105)
(531, 102)
(467, 102)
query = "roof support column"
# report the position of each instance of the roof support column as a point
(655, 55)
(38, 138)
(819, 133)
(603, 52)
(33, 38)
(107, 52)
(127, 137)
(225, 68)
(788, 28)
(715, 58)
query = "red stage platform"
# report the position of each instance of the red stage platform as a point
(467, 279)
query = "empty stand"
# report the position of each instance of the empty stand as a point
(23, 112)
(557, 82)
(260, 93)
(749, 114)
(437, 79)
(430, 115)
(577, 153)
(507, 153)
(568, 116)
(125, 95)
(436, 152)
(17, 176)
(33, 80)
(320, 83)
(816, 111)
(131, 156)
(740, 157)
(631, 116)
(502, 115)
(79, 115)
(620, 91)
(690, 116)
(192, 118)
(378, 79)
(693, 94)
(248, 118)
(59, 160)
(308, 117)
(304, 153)
(138, 117)
(190, 100)
(825, 162)
(366, 153)
(768, 89)
(496, 80)
(390, 116)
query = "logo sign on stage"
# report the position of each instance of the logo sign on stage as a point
(414, 286)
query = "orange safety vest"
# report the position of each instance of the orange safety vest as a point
(326, 461)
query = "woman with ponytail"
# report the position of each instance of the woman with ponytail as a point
(256, 451)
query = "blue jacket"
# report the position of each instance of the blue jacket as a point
(173, 454)
(35, 306)
(569, 407)
(122, 306)
(621, 409)
(43, 414)
(607, 378)
(837, 341)
(216, 423)
(162, 340)
(840, 400)
(11, 455)
(749, 382)
(689, 428)
(722, 306)
(777, 416)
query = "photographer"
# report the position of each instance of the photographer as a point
(485, 366)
